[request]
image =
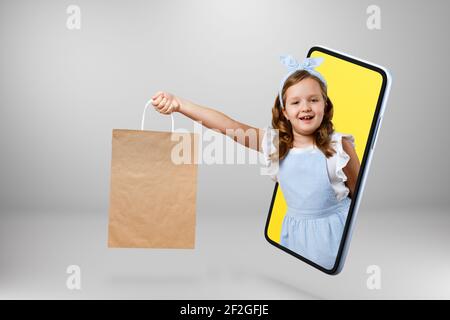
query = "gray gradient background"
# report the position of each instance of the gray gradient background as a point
(62, 92)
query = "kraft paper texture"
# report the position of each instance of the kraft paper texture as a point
(152, 199)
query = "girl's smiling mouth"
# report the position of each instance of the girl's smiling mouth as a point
(306, 118)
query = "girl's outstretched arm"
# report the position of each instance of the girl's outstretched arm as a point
(351, 170)
(244, 134)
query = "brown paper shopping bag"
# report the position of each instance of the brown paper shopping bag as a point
(152, 197)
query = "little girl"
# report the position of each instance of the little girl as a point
(315, 166)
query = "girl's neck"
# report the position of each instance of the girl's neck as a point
(302, 141)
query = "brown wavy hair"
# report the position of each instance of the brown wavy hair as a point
(322, 136)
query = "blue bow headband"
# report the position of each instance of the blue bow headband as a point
(292, 65)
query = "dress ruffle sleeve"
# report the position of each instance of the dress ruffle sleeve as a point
(268, 147)
(337, 163)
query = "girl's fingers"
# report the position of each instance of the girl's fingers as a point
(156, 101)
(157, 94)
(167, 108)
(161, 96)
(162, 103)
(170, 109)
(163, 106)
(164, 110)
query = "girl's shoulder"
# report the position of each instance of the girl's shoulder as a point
(336, 138)
(269, 143)
(337, 163)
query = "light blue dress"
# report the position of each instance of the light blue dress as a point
(315, 218)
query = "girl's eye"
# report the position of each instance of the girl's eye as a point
(314, 100)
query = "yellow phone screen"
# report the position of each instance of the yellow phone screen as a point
(354, 88)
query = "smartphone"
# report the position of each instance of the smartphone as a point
(359, 91)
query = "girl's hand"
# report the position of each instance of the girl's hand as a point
(166, 103)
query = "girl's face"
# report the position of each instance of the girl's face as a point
(305, 106)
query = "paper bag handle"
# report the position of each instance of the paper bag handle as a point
(143, 116)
